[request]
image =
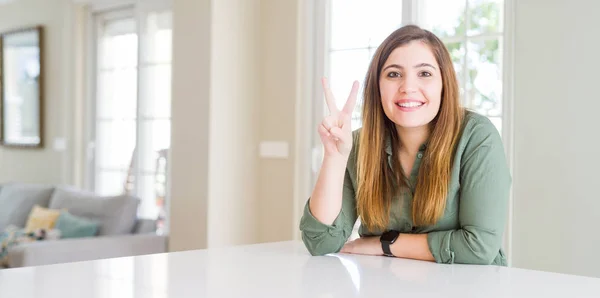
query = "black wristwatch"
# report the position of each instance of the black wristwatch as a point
(388, 238)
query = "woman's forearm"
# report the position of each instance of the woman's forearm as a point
(326, 199)
(412, 246)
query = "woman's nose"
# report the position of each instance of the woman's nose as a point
(409, 85)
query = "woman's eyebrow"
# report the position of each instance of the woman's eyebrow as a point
(416, 66)
(424, 65)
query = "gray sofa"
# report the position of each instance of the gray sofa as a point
(120, 232)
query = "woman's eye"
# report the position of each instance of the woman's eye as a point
(393, 74)
(425, 74)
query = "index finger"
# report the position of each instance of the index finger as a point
(351, 102)
(329, 97)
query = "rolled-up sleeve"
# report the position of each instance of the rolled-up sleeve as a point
(321, 239)
(484, 192)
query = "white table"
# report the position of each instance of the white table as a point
(283, 269)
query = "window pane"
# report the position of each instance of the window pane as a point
(115, 142)
(155, 111)
(362, 23)
(485, 16)
(445, 18)
(118, 44)
(155, 83)
(110, 183)
(484, 87)
(155, 136)
(116, 105)
(497, 121)
(156, 38)
(116, 95)
(148, 191)
(457, 52)
(347, 66)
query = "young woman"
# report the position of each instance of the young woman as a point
(428, 179)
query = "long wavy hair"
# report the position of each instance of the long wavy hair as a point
(377, 183)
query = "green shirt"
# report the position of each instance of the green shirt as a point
(471, 229)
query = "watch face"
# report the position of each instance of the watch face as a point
(389, 236)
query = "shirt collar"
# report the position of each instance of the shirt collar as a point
(388, 145)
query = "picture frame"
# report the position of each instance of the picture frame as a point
(21, 88)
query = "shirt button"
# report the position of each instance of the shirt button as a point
(420, 155)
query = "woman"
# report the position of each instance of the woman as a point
(428, 179)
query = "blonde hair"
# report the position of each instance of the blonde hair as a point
(375, 179)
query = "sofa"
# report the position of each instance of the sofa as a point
(120, 232)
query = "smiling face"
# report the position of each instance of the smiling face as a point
(411, 85)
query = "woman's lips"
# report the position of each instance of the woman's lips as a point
(409, 105)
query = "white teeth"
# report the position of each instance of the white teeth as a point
(410, 104)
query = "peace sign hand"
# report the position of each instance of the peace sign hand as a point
(335, 130)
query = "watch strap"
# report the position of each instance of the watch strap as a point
(385, 245)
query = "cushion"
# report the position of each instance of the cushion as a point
(71, 226)
(41, 218)
(18, 199)
(115, 215)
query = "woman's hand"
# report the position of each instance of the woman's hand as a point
(364, 246)
(335, 130)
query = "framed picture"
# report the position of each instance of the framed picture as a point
(21, 88)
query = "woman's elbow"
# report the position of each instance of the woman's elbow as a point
(483, 247)
(317, 250)
(316, 253)
(319, 247)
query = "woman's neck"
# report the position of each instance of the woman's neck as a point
(412, 138)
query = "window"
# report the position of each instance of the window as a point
(472, 30)
(132, 106)
(473, 33)
(352, 44)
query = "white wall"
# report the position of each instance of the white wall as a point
(252, 97)
(46, 165)
(242, 70)
(279, 75)
(216, 89)
(557, 144)
(234, 111)
(190, 131)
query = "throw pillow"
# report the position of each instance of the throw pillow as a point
(71, 226)
(41, 218)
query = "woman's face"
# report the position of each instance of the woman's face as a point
(411, 85)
